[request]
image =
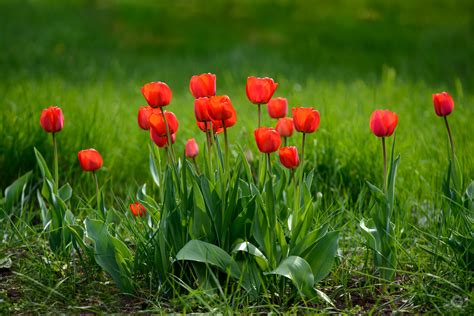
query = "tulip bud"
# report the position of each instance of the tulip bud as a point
(157, 94)
(161, 141)
(192, 148)
(443, 103)
(52, 119)
(201, 109)
(383, 122)
(260, 90)
(289, 157)
(159, 125)
(137, 209)
(306, 120)
(285, 126)
(203, 85)
(90, 159)
(277, 107)
(220, 108)
(144, 114)
(267, 138)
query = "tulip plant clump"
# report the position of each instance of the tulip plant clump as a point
(217, 222)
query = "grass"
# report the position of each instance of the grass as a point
(345, 58)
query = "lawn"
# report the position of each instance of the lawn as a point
(344, 58)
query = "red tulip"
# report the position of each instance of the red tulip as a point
(137, 209)
(443, 103)
(157, 94)
(220, 108)
(260, 90)
(289, 157)
(201, 109)
(267, 138)
(144, 114)
(215, 128)
(306, 120)
(203, 85)
(277, 107)
(158, 124)
(284, 127)
(161, 141)
(52, 119)
(90, 159)
(192, 148)
(383, 122)
(228, 122)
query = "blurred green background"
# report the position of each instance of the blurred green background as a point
(344, 57)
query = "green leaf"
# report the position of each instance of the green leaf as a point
(321, 256)
(299, 271)
(43, 166)
(15, 190)
(254, 251)
(65, 192)
(200, 251)
(153, 170)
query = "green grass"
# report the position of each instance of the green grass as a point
(345, 58)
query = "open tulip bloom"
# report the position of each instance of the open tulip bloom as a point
(260, 91)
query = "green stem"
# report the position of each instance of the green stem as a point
(302, 149)
(285, 141)
(168, 135)
(97, 192)
(451, 142)
(259, 114)
(196, 166)
(384, 165)
(226, 147)
(56, 168)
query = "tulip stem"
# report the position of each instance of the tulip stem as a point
(259, 114)
(56, 168)
(384, 150)
(209, 143)
(226, 147)
(168, 135)
(285, 141)
(196, 166)
(451, 142)
(97, 192)
(302, 149)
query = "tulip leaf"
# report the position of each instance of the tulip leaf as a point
(251, 249)
(321, 256)
(65, 192)
(43, 166)
(15, 191)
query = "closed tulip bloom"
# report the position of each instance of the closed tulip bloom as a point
(267, 138)
(383, 122)
(203, 85)
(289, 157)
(260, 90)
(220, 108)
(201, 109)
(306, 120)
(277, 107)
(192, 148)
(285, 126)
(443, 103)
(52, 119)
(138, 209)
(159, 125)
(157, 94)
(144, 114)
(159, 140)
(228, 122)
(90, 159)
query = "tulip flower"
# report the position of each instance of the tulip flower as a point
(91, 160)
(203, 85)
(277, 107)
(260, 91)
(192, 148)
(289, 157)
(216, 129)
(138, 209)
(284, 127)
(227, 123)
(201, 109)
(268, 140)
(157, 94)
(52, 119)
(159, 140)
(220, 108)
(443, 103)
(144, 114)
(306, 120)
(164, 123)
(383, 124)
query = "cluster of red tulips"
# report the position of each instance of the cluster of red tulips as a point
(215, 114)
